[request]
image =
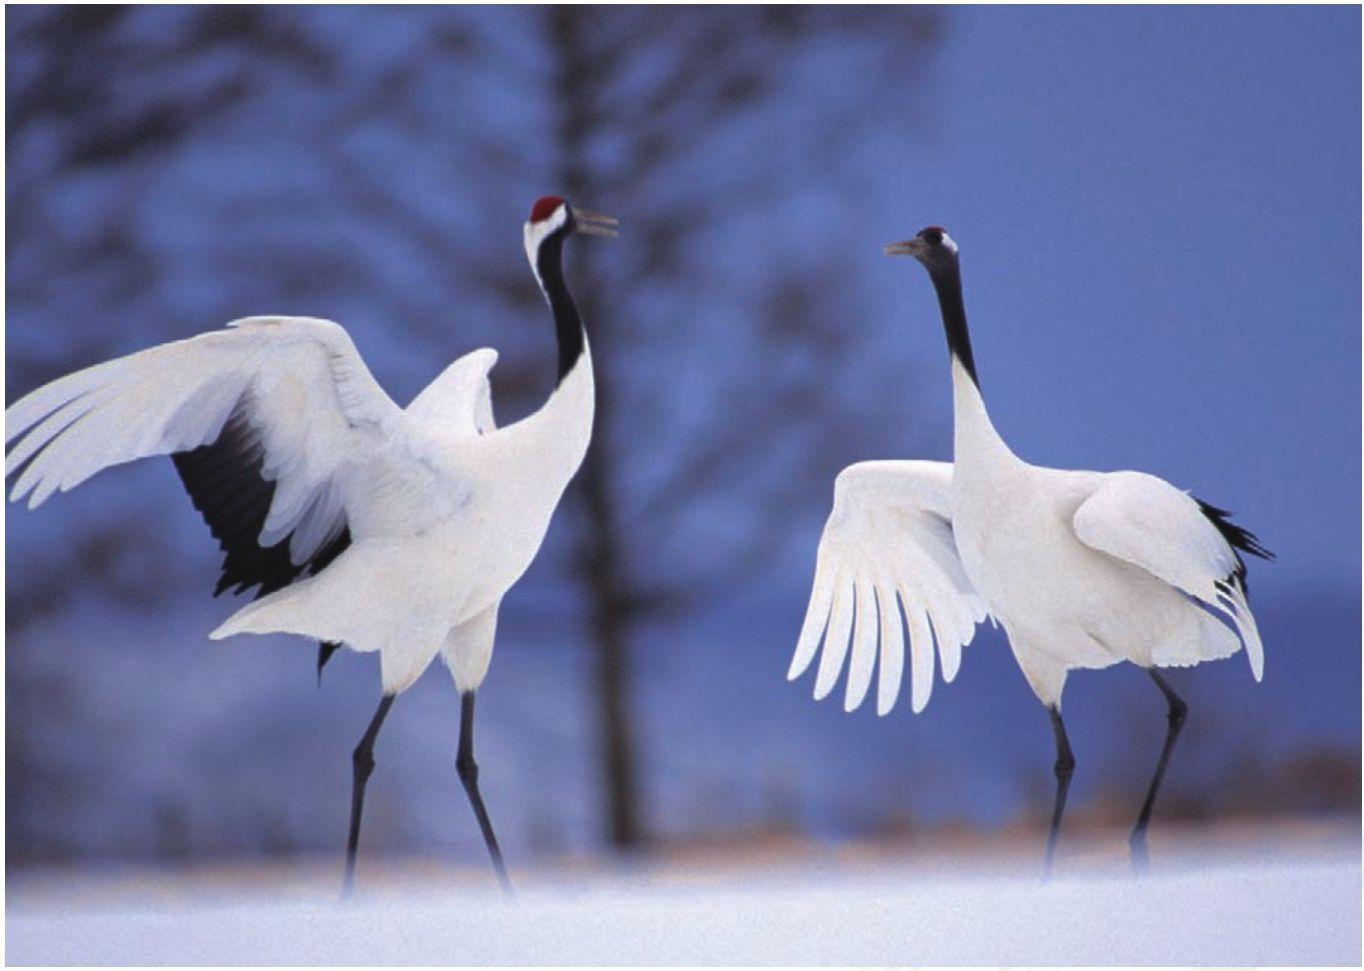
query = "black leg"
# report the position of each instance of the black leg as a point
(363, 761)
(468, 774)
(1064, 768)
(1175, 717)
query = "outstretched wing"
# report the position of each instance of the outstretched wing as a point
(280, 434)
(460, 400)
(888, 546)
(1151, 524)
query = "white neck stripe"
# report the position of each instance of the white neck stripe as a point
(535, 233)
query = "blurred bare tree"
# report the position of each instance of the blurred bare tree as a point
(693, 124)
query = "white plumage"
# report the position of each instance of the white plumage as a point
(444, 511)
(1147, 522)
(1082, 569)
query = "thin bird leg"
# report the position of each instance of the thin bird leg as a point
(468, 774)
(1175, 717)
(1064, 768)
(363, 761)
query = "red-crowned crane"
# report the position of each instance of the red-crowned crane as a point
(1082, 569)
(362, 523)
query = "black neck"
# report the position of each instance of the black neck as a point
(947, 281)
(568, 324)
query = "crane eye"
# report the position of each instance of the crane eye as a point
(932, 236)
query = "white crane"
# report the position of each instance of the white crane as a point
(1083, 569)
(365, 524)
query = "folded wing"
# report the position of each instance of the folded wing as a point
(888, 547)
(460, 400)
(280, 433)
(1148, 522)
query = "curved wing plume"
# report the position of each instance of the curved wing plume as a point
(888, 547)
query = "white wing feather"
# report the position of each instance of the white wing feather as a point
(460, 400)
(887, 546)
(1148, 522)
(328, 433)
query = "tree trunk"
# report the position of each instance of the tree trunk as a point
(604, 569)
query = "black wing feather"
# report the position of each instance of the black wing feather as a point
(225, 483)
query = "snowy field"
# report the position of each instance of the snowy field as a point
(1218, 906)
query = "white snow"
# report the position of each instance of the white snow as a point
(1212, 910)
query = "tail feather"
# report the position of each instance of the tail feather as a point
(1240, 539)
(1238, 608)
(325, 650)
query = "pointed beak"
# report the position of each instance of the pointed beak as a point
(594, 223)
(910, 247)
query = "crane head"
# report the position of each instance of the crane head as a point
(552, 216)
(931, 246)
(551, 221)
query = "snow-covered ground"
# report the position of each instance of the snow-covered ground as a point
(1217, 906)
